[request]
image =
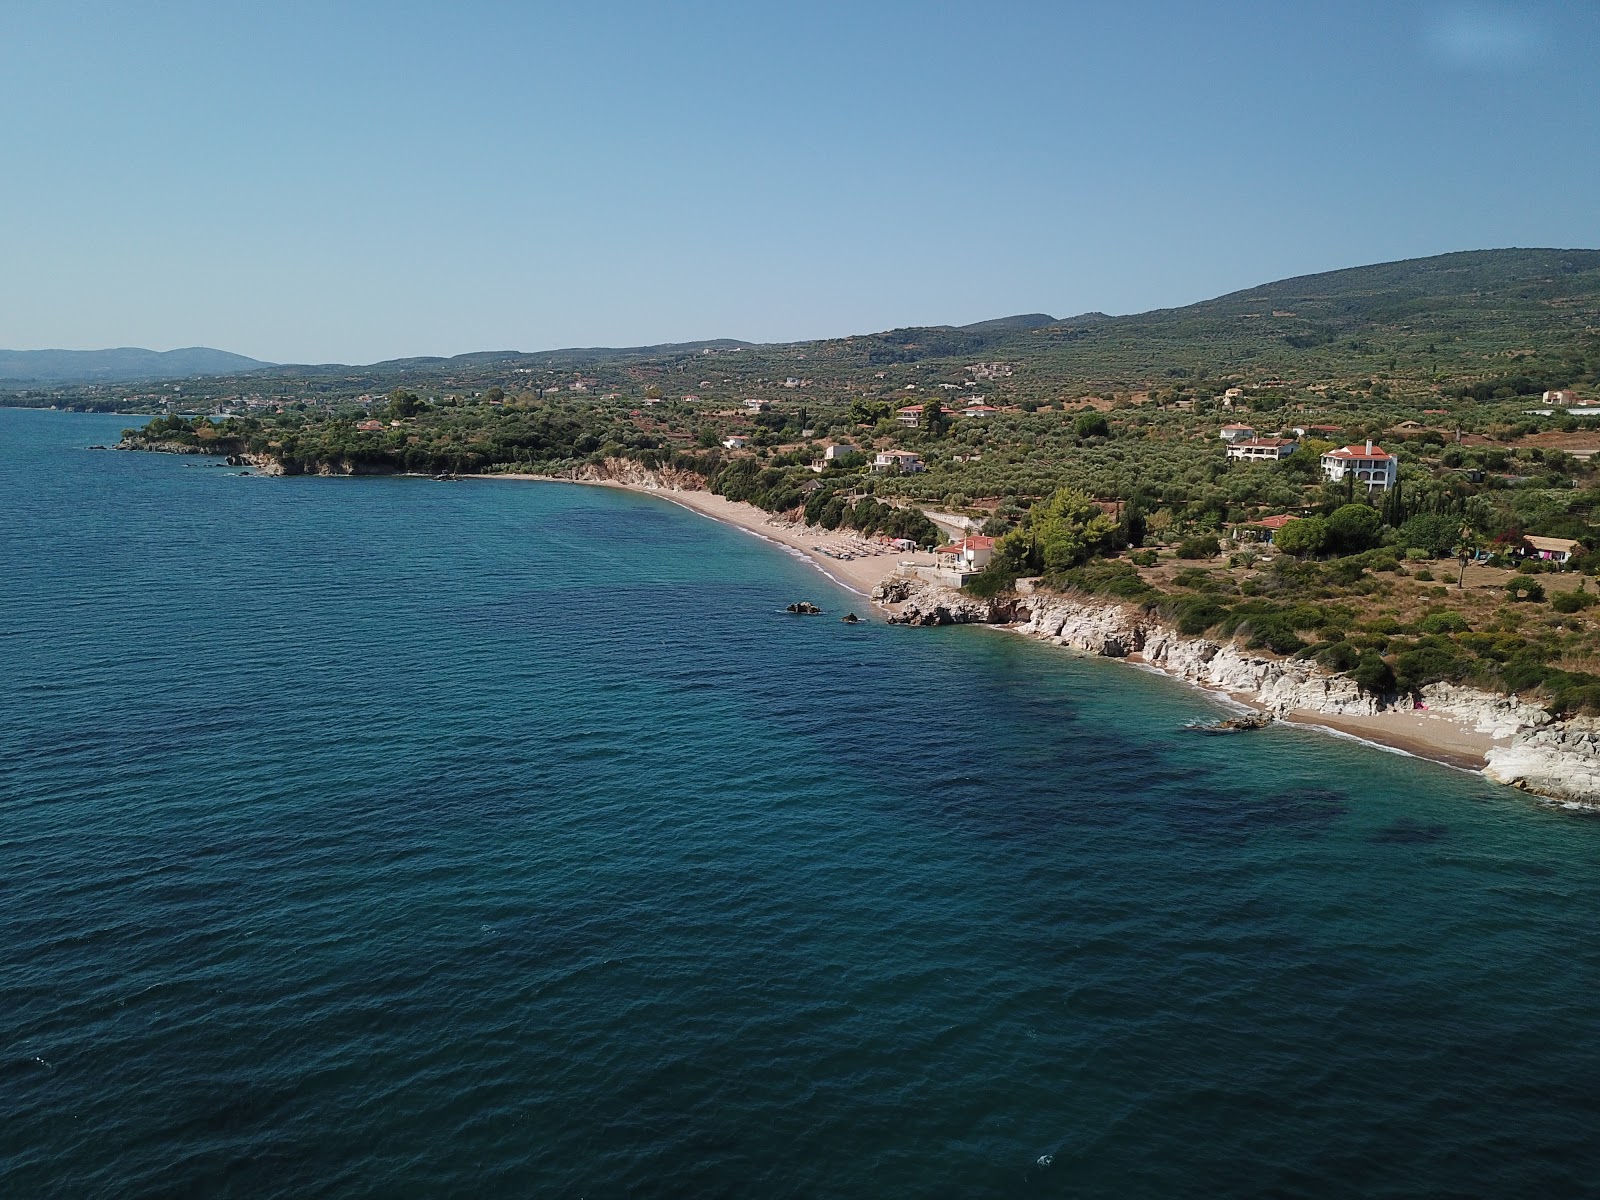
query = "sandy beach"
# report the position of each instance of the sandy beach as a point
(1439, 738)
(866, 567)
(1423, 734)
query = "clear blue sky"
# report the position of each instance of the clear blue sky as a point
(355, 181)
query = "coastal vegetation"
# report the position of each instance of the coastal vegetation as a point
(1089, 449)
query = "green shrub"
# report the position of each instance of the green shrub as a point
(1428, 663)
(1522, 674)
(1303, 537)
(1444, 620)
(1571, 602)
(1353, 528)
(1106, 577)
(1193, 615)
(1373, 675)
(1145, 558)
(1525, 589)
(1339, 656)
(1204, 546)
(997, 579)
(1091, 424)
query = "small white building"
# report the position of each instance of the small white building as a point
(830, 456)
(1372, 466)
(735, 442)
(902, 462)
(1237, 433)
(1262, 449)
(1556, 550)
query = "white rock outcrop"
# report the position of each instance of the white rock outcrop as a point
(918, 602)
(1558, 759)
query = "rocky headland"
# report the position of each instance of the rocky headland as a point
(1520, 743)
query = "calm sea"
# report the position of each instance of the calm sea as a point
(396, 838)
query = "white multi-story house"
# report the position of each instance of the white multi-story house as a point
(904, 461)
(1237, 433)
(1262, 449)
(1373, 467)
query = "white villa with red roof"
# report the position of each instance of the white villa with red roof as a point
(1237, 433)
(1371, 465)
(910, 416)
(969, 554)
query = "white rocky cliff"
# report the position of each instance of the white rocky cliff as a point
(1559, 759)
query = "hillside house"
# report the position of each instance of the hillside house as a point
(1264, 530)
(1269, 449)
(1237, 433)
(979, 410)
(831, 455)
(1556, 550)
(735, 442)
(910, 416)
(1372, 466)
(901, 462)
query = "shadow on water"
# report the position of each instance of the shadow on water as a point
(1408, 831)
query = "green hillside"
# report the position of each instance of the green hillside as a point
(1501, 322)
(1455, 317)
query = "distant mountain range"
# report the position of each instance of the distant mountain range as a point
(1476, 312)
(126, 364)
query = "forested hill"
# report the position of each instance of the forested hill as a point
(1464, 315)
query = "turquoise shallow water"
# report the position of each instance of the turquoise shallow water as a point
(385, 837)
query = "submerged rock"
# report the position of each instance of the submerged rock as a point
(804, 608)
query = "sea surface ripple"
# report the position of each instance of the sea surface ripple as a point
(395, 838)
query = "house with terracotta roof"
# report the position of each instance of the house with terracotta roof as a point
(1269, 449)
(1262, 530)
(910, 416)
(1371, 466)
(969, 554)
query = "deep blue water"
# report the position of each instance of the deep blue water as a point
(393, 838)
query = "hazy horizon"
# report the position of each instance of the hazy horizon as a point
(308, 186)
